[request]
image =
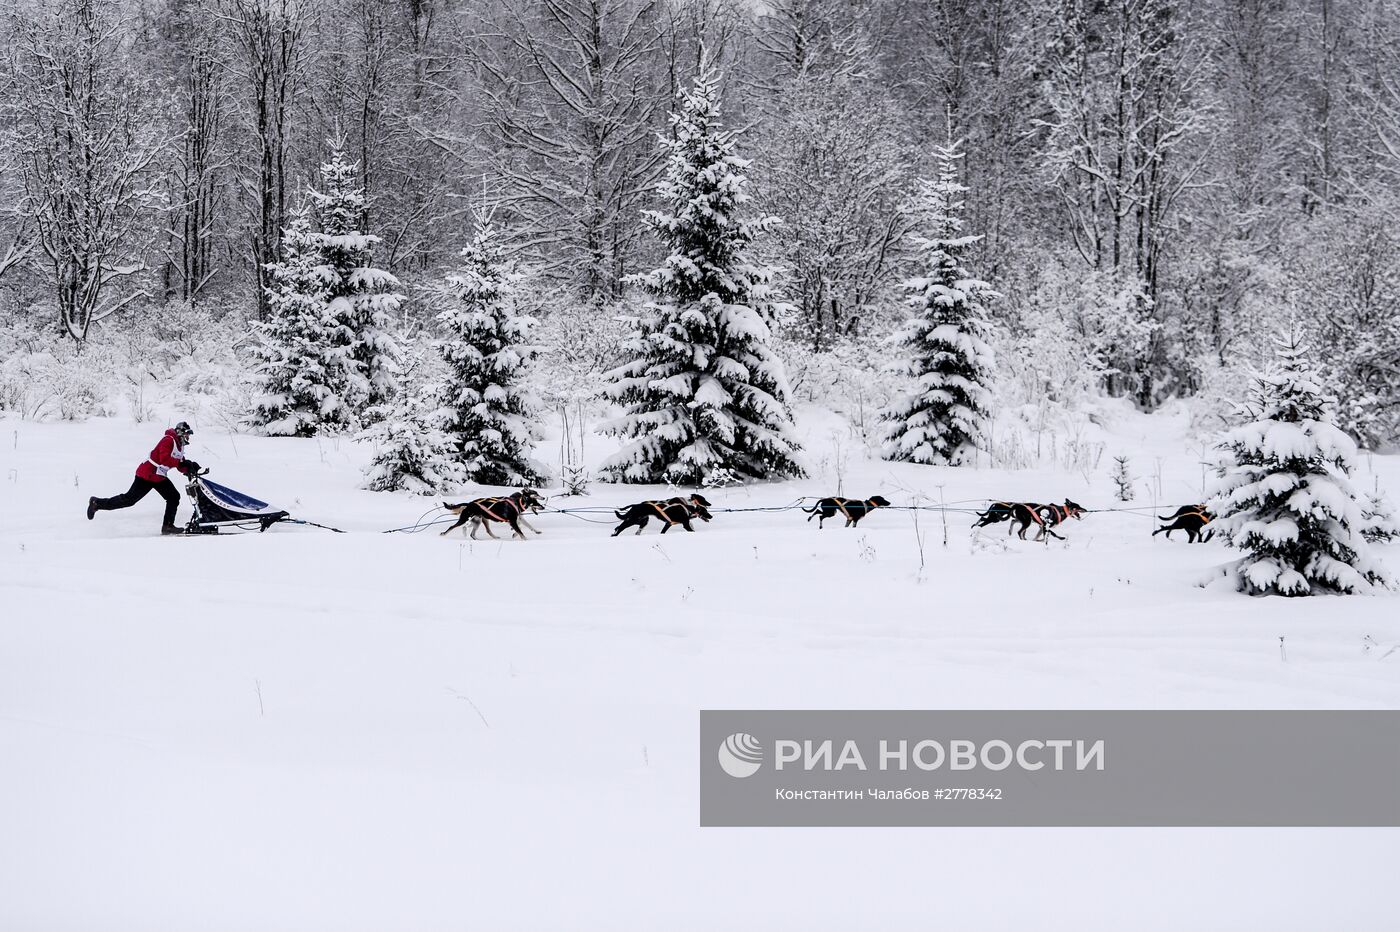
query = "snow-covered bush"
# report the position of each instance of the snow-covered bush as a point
(703, 389)
(1343, 280)
(1283, 495)
(412, 451)
(1379, 521)
(581, 340)
(44, 375)
(490, 415)
(943, 419)
(851, 378)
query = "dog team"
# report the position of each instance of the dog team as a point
(511, 510)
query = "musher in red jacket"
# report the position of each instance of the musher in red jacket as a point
(168, 454)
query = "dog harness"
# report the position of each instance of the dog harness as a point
(1205, 518)
(487, 504)
(841, 504)
(661, 510)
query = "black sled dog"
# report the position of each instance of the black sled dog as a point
(852, 508)
(1189, 518)
(671, 512)
(998, 512)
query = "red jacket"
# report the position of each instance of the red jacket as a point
(167, 454)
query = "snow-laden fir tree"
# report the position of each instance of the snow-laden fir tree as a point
(1284, 497)
(412, 451)
(490, 413)
(1379, 522)
(359, 297)
(942, 420)
(703, 390)
(301, 360)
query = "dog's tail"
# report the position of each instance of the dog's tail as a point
(620, 515)
(1168, 518)
(813, 510)
(455, 509)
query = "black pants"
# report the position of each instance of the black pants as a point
(138, 490)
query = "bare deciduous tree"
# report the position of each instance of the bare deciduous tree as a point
(270, 41)
(572, 94)
(89, 173)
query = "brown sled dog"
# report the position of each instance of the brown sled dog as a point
(483, 512)
(1047, 516)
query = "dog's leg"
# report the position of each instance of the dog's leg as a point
(515, 528)
(522, 520)
(485, 523)
(461, 520)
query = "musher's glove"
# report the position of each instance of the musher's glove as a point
(192, 468)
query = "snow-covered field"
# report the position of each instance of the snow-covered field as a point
(303, 730)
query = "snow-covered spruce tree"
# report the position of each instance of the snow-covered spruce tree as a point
(359, 297)
(1284, 497)
(943, 419)
(412, 451)
(490, 415)
(301, 359)
(703, 390)
(1379, 522)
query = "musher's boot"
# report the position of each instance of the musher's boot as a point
(92, 507)
(171, 529)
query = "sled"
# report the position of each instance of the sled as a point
(218, 506)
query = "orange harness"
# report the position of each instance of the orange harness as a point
(661, 510)
(842, 503)
(1205, 518)
(487, 504)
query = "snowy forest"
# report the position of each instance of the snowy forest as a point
(1146, 192)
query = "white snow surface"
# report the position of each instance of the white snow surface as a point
(302, 730)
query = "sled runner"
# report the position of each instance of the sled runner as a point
(217, 506)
